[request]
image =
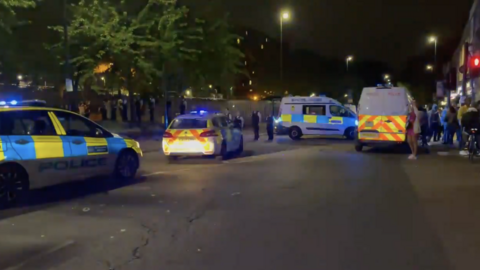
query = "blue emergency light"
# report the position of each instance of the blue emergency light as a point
(4, 103)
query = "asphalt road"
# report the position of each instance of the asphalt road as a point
(311, 204)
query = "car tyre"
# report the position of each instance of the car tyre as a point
(295, 133)
(350, 133)
(14, 185)
(127, 165)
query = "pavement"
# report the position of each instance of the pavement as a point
(308, 204)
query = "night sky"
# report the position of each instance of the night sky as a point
(368, 29)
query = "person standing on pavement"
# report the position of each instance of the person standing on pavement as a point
(443, 121)
(413, 130)
(422, 116)
(256, 125)
(452, 124)
(270, 125)
(434, 122)
(183, 105)
(461, 111)
(470, 120)
(239, 120)
(229, 115)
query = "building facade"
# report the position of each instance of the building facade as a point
(471, 34)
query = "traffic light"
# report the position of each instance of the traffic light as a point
(474, 66)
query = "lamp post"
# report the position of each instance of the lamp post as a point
(433, 39)
(284, 16)
(348, 59)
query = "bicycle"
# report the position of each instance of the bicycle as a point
(472, 144)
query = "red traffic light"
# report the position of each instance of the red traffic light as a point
(475, 62)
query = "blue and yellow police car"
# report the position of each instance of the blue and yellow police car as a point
(202, 133)
(41, 146)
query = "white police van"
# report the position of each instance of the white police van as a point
(300, 116)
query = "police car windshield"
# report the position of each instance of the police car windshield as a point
(189, 124)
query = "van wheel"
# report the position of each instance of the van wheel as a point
(14, 184)
(350, 133)
(358, 147)
(295, 133)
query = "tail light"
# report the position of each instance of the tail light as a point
(167, 135)
(210, 133)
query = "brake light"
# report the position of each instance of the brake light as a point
(167, 135)
(210, 133)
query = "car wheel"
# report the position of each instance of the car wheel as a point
(295, 133)
(240, 147)
(127, 165)
(350, 133)
(14, 184)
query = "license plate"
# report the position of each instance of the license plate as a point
(369, 135)
(186, 138)
(369, 124)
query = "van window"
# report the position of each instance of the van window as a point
(314, 109)
(383, 102)
(338, 111)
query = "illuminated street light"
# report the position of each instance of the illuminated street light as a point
(348, 59)
(429, 67)
(434, 39)
(285, 15)
(20, 77)
(188, 92)
(312, 95)
(346, 95)
(387, 77)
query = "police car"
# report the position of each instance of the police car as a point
(315, 116)
(201, 133)
(42, 146)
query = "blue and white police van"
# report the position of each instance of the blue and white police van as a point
(300, 116)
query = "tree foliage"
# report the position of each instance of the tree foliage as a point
(7, 11)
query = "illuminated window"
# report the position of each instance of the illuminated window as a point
(251, 90)
(250, 82)
(261, 46)
(266, 40)
(246, 33)
(245, 63)
(238, 41)
(253, 72)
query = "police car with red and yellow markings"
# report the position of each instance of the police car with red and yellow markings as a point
(41, 146)
(201, 133)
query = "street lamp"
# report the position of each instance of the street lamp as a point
(346, 95)
(19, 77)
(433, 39)
(387, 76)
(348, 59)
(429, 67)
(284, 16)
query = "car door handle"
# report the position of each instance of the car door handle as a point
(77, 142)
(22, 142)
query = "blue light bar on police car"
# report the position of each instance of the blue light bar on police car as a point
(13, 102)
(3, 103)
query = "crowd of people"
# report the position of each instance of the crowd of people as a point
(115, 108)
(444, 124)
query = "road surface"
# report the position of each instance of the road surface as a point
(311, 204)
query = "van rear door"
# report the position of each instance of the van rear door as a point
(382, 114)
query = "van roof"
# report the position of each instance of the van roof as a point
(309, 100)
